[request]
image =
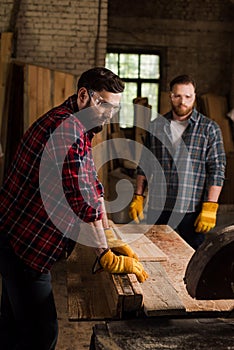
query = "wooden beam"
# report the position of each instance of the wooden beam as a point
(91, 296)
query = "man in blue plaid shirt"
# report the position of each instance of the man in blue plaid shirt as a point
(183, 164)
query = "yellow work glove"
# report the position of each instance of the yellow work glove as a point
(135, 211)
(122, 264)
(118, 246)
(206, 220)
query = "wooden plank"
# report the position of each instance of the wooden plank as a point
(142, 116)
(32, 82)
(210, 273)
(5, 75)
(69, 85)
(58, 88)
(14, 112)
(132, 294)
(63, 87)
(44, 100)
(145, 249)
(179, 254)
(160, 297)
(91, 296)
(6, 46)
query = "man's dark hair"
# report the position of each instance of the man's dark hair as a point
(182, 79)
(100, 78)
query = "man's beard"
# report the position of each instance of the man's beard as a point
(182, 111)
(87, 119)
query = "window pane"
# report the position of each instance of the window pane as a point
(126, 115)
(150, 90)
(128, 65)
(112, 62)
(149, 67)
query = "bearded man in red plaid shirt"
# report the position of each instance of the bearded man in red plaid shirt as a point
(52, 198)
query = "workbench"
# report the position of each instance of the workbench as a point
(165, 255)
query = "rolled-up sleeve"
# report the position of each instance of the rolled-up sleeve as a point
(216, 158)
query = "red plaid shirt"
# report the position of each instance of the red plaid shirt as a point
(51, 186)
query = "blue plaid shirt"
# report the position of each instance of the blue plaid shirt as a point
(179, 177)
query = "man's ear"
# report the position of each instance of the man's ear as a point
(83, 97)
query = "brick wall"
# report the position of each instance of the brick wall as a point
(59, 34)
(194, 37)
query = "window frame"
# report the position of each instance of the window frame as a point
(139, 81)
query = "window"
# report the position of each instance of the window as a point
(141, 74)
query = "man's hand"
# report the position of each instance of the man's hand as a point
(136, 208)
(118, 246)
(122, 264)
(206, 220)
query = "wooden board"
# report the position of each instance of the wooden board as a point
(63, 87)
(160, 297)
(90, 296)
(142, 117)
(38, 93)
(132, 296)
(145, 249)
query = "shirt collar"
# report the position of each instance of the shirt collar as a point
(71, 103)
